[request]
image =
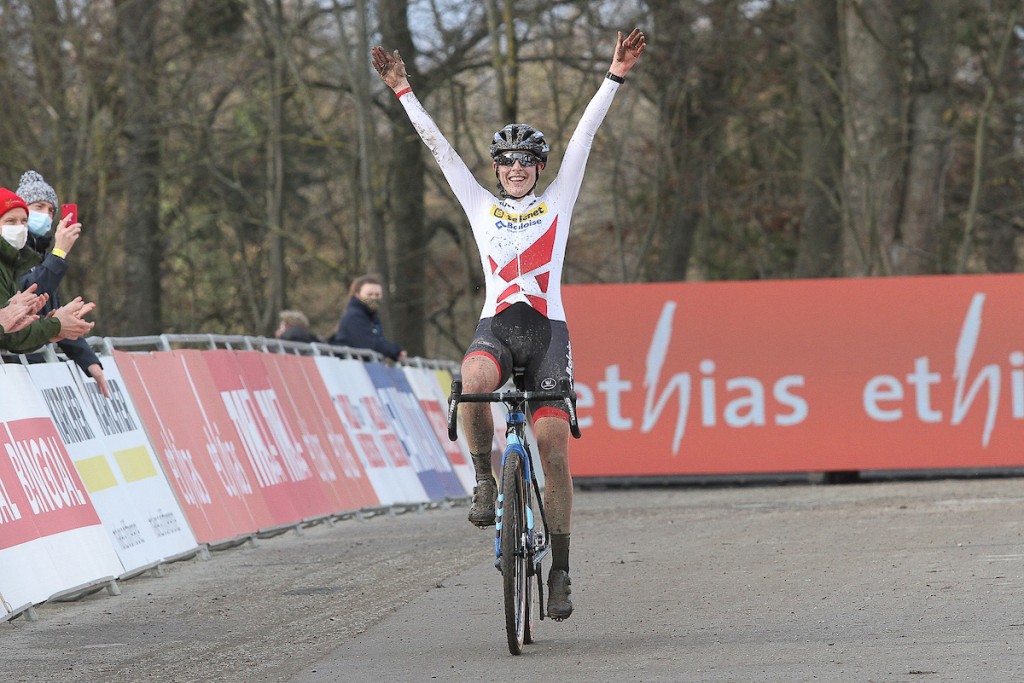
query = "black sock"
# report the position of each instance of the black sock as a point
(560, 552)
(482, 465)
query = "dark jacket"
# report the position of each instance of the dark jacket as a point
(299, 334)
(46, 273)
(360, 328)
(39, 332)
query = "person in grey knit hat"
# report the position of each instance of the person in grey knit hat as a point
(51, 264)
(33, 188)
(42, 206)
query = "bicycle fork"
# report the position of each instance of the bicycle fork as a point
(534, 552)
(515, 445)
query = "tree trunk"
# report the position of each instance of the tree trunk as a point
(274, 193)
(680, 156)
(873, 165)
(982, 154)
(136, 27)
(821, 150)
(405, 310)
(1001, 200)
(56, 151)
(930, 134)
(371, 201)
(505, 63)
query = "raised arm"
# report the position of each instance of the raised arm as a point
(570, 173)
(391, 68)
(392, 71)
(627, 52)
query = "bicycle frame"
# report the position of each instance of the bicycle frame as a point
(516, 442)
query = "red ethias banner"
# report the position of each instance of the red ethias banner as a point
(881, 373)
(41, 493)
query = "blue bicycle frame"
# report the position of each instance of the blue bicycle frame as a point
(516, 427)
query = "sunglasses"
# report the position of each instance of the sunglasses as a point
(525, 159)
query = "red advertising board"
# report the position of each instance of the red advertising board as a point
(168, 407)
(224, 446)
(48, 480)
(16, 518)
(285, 471)
(881, 373)
(307, 407)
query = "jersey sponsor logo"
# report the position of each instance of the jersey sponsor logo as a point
(518, 221)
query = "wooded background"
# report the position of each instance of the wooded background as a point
(233, 158)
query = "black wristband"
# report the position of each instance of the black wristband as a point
(612, 77)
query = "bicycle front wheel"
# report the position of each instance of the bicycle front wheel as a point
(512, 542)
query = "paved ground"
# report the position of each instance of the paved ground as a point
(889, 581)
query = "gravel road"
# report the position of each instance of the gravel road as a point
(886, 581)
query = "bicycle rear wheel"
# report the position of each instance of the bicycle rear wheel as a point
(512, 541)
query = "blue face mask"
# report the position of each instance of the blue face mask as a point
(39, 223)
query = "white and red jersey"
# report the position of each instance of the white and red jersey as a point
(521, 241)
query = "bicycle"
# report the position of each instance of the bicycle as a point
(519, 546)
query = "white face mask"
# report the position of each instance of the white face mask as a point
(16, 235)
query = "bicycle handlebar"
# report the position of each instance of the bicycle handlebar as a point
(564, 393)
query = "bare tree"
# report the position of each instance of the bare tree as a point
(140, 164)
(405, 310)
(930, 134)
(873, 162)
(821, 149)
(686, 92)
(1002, 201)
(271, 16)
(504, 56)
(1001, 37)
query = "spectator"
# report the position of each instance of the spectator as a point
(295, 327)
(66, 322)
(360, 324)
(51, 265)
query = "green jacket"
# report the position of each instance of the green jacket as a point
(39, 332)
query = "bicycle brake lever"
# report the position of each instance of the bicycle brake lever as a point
(570, 405)
(453, 410)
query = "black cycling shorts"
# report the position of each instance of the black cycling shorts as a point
(520, 336)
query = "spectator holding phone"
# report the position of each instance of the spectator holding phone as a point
(65, 322)
(50, 265)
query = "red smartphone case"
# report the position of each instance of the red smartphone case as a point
(72, 209)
